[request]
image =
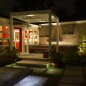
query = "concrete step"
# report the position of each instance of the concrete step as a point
(33, 57)
(29, 63)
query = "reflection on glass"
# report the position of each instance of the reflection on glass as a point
(32, 81)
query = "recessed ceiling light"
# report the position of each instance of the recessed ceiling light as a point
(31, 15)
(53, 17)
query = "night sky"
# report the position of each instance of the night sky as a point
(66, 10)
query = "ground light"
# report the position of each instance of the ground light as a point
(32, 81)
(47, 66)
(53, 70)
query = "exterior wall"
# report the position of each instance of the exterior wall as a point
(72, 31)
(44, 34)
(4, 21)
(69, 34)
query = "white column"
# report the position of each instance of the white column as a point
(23, 40)
(11, 32)
(57, 46)
(27, 40)
(50, 31)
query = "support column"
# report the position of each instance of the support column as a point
(27, 40)
(57, 46)
(11, 33)
(23, 40)
(50, 31)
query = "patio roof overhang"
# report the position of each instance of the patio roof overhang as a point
(35, 17)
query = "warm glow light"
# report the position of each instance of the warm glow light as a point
(6, 26)
(31, 15)
(53, 17)
(48, 24)
(47, 65)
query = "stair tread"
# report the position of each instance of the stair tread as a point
(33, 62)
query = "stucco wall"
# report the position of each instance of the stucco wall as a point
(69, 33)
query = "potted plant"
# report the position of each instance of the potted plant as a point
(57, 58)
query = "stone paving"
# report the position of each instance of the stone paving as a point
(73, 76)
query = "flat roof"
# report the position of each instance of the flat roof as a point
(41, 16)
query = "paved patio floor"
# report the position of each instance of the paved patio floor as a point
(73, 76)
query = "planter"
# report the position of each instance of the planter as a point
(6, 60)
(8, 56)
(57, 58)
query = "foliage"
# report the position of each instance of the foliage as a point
(82, 48)
(82, 43)
(8, 56)
(72, 58)
(6, 52)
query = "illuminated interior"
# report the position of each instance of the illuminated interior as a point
(4, 35)
(33, 20)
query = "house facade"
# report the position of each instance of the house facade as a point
(37, 33)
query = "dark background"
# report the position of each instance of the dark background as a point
(66, 10)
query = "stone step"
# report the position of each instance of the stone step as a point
(33, 57)
(38, 64)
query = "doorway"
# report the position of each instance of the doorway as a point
(18, 38)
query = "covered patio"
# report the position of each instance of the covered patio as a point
(31, 37)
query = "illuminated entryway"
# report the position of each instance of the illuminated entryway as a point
(18, 38)
(33, 20)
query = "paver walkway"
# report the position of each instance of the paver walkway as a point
(73, 76)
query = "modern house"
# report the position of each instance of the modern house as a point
(38, 31)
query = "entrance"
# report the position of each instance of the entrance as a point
(18, 39)
(34, 18)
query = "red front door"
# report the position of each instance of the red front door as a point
(18, 38)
